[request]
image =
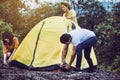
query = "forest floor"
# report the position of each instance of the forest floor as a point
(12, 73)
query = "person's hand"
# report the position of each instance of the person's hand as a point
(5, 62)
(67, 67)
(63, 64)
(9, 60)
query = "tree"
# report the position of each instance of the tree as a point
(108, 48)
(9, 11)
(116, 39)
(24, 18)
(92, 13)
(116, 16)
(5, 27)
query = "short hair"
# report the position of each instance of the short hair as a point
(66, 4)
(65, 38)
(7, 35)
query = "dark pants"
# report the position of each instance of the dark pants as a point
(86, 46)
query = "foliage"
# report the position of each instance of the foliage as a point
(5, 26)
(108, 48)
(92, 13)
(105, 34)
(9, 11)
(20, 19)
(116, 16)
(106, 25)
(23, 18)
(116, 43)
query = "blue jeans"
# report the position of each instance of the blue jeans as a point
(86, 46)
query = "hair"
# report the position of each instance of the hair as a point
(65, 38)
(66, 4)
(9, 36)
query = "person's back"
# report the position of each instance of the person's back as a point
(82, 39)
(80, 35)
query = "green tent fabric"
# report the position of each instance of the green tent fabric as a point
(41, 46)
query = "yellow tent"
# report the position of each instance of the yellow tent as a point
(41, 47)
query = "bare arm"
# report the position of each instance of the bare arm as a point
(10, 58)
(5, 54)
(64, 53)
(15, 48)
(72, 15)
(4, 58)
(72, 57)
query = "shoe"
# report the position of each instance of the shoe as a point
(91, 70)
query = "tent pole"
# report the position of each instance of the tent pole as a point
(31, 66)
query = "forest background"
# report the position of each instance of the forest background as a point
(19, 18)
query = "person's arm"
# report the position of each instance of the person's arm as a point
(64, 53)
(10, 58)
(73, 14)
(72, 58)
(4, 59)
(4, 54)
(64, 15)
(15, 47)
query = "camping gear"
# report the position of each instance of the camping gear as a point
(41, 48)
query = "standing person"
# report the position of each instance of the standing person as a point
(10, 44)
(68, 12)
(82, 39)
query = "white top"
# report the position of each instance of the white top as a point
(80, 35)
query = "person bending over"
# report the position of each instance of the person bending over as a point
(82, 39)
(10, 44)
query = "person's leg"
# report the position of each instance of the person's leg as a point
(6, 57)
(79, 56)
(87, 51)
(86, 45)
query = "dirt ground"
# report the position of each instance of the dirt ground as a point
(12, 73)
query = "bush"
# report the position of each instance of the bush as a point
(4, 27)
(108, 48)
